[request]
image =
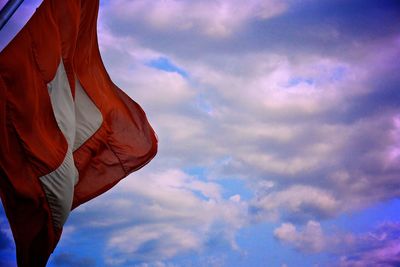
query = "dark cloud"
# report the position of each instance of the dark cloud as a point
(7, 255)
(72, 260)
(5, 242)
(7, 263)
(382, 101)
(329, 28)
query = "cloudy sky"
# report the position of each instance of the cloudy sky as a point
(279, 136)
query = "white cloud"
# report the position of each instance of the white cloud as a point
(153, 241)
(269, 117)
(156, 215)
(296, 128)
(310, 239)
(297, 201)
(211, 18)
(156, 264)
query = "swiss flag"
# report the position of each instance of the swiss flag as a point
(67, 132)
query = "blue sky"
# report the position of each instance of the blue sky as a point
(279, 136)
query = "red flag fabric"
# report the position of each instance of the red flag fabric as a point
(67, 132)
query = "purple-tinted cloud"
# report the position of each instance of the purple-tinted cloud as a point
(301, 107)
(298, 101)
(380, 247)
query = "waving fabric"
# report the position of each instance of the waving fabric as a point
(67, 132)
